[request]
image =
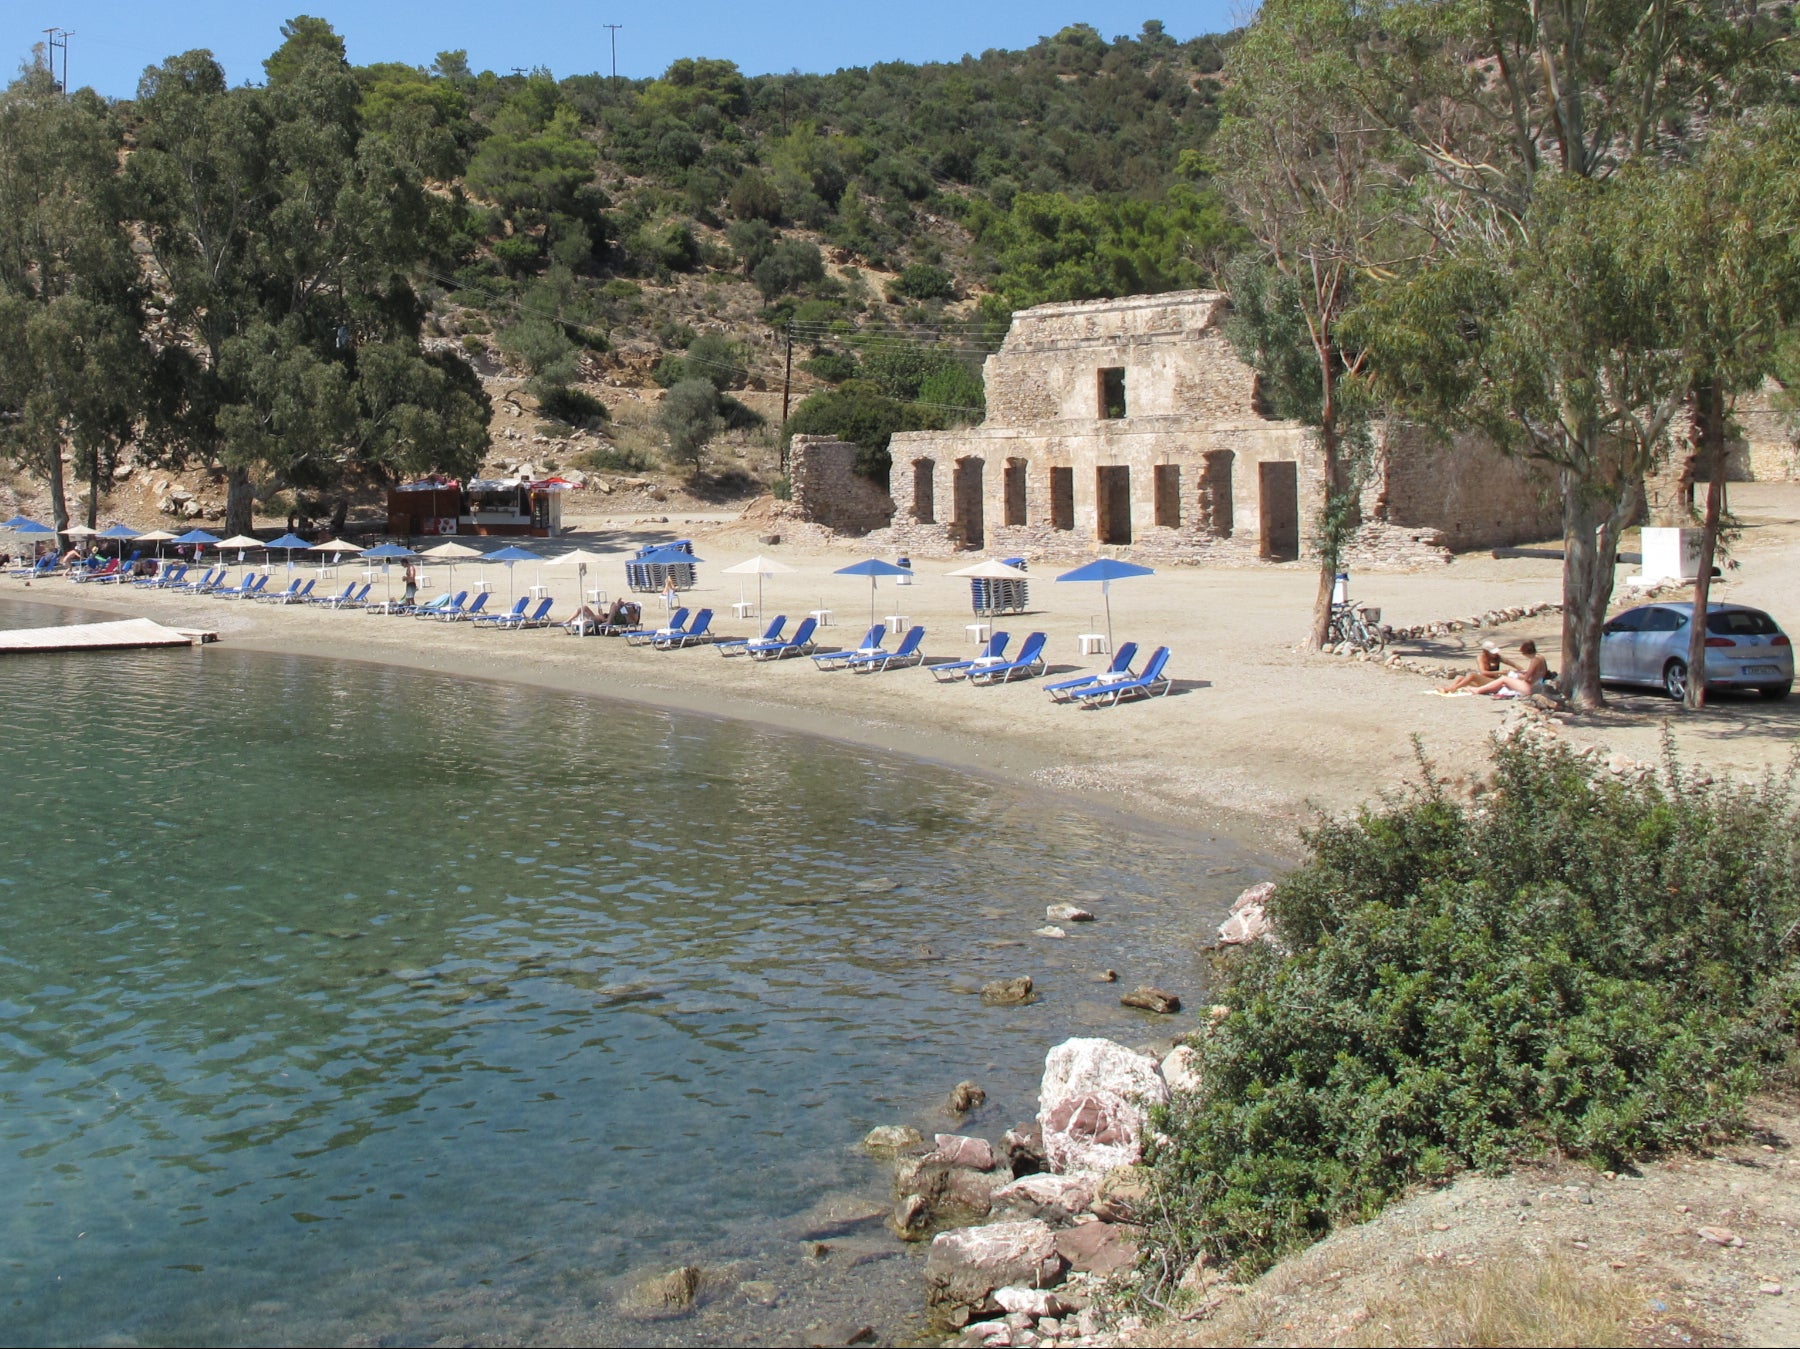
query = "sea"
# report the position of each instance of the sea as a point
(342, 1003)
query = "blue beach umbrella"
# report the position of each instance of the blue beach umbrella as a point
(385, 554)
(199, 538)
(288, 543)
(872, 568)
(509, 555)
(669, 557)
(119, 532)
(1106, 570)
(21, 524)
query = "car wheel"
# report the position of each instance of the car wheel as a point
(1777, 690)
(1675, 680)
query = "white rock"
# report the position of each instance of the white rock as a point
(1248, 924)
(1054, 1198)
(1032, 1302)
(968, 1263)
(1181, 1069)
(1051, 931)
(1092, 1104)
(1067, 913)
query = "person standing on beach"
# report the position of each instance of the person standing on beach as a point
(412, 584)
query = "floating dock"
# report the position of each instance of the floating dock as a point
(128, 634)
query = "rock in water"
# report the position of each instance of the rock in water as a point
(1093, 1103)
(961, 1150)
(967, 1265)
(1067, 913)
(1107, 977)
(1152, 1000)
(964, 1097)
(892, 1138)
(1249, 920)
(666, 1295)
(1055, 1199)
(1007, 992)
(1052, 932)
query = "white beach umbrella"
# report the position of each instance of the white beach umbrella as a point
(451, 553)
(79, 532)
(581, 559)
(759, 567)
(239, 542)
(992, 569)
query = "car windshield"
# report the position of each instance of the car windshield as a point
(1741, 623)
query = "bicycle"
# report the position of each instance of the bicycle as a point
(1358, 624)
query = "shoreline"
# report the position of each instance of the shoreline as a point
(1022, 768)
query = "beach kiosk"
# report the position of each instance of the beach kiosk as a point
(498, 506)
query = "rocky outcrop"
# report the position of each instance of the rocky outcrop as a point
(966, 1266)
(1093, 1104)
(1249, 919)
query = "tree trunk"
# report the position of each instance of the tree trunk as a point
(1711, 400)
(240, 498)
(1330, 533)
(1590, 550)
(59, 501)
(93, 511)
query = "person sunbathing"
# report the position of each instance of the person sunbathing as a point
(1487, 667)
(585, 620)
(1533, 676)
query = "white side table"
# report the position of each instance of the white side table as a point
(896, 623)
(979, 632)
(538, 591)
(1093, 644)
(821, 618)
(743, 609)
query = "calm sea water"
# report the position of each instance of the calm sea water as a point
(345, 1003)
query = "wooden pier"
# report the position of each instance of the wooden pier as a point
(128, 634)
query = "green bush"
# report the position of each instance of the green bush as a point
(574, 406)
(921, 281)
(831, 366)
(715, 357)
(1576, 965)
(669, 371)
(613, 459)
(789, 265)
(689, 416)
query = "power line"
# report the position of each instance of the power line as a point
(59, 37)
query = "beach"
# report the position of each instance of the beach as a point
(1255, 738)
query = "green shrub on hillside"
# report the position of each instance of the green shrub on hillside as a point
(1577, 965)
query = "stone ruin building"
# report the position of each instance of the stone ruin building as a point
(1131, 426)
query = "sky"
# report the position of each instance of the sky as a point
(112, 42)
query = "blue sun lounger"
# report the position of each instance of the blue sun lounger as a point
(494, 620)
(991, 654)
(736, 646)
(676, 625)
(1152, 683)
(291, 595)
(463, 615)
(172, 577)
(700, 630)
(800, 644)
(352, 598)
(871, 646)
(907, 653)
(348, 591)
(1117, 672)
(1029, 662)
(538, 617)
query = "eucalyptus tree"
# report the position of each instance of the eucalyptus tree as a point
(72, 358)
(1304, 170)
(1513, 122)
(282, 235)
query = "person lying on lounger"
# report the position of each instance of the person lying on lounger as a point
(1487, 667)
(585, 620)
(1533, 676)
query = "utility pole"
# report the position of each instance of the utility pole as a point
(787, 381)
(613, 33)
(59, 37)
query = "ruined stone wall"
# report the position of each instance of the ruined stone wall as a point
(1176, 359)
(1770, 449)
(828, 491)
(1467, 492)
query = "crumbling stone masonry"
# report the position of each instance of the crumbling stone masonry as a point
(1132, 425)
(827, 490)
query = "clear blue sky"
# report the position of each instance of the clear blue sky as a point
(113, 42)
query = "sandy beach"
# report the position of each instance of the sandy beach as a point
(1255, 737)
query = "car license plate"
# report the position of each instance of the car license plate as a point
(1759, 670)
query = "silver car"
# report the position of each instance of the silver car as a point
(1745, 649)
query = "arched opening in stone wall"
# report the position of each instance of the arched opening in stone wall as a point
(925, 491)
(969, 527)
(1112, 503)
(1215, 493)
(1013, 495)
(1168, 495)
(1062, 498)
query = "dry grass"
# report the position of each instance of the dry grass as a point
(1519, 1300)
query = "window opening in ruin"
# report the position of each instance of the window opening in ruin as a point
(1062, 498)
(1112, 393)
(1112, 503)
(1279, 504)
(1168, 495)
(925, 491)
(969, 527)
(1015, 491)
(1215, 493)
